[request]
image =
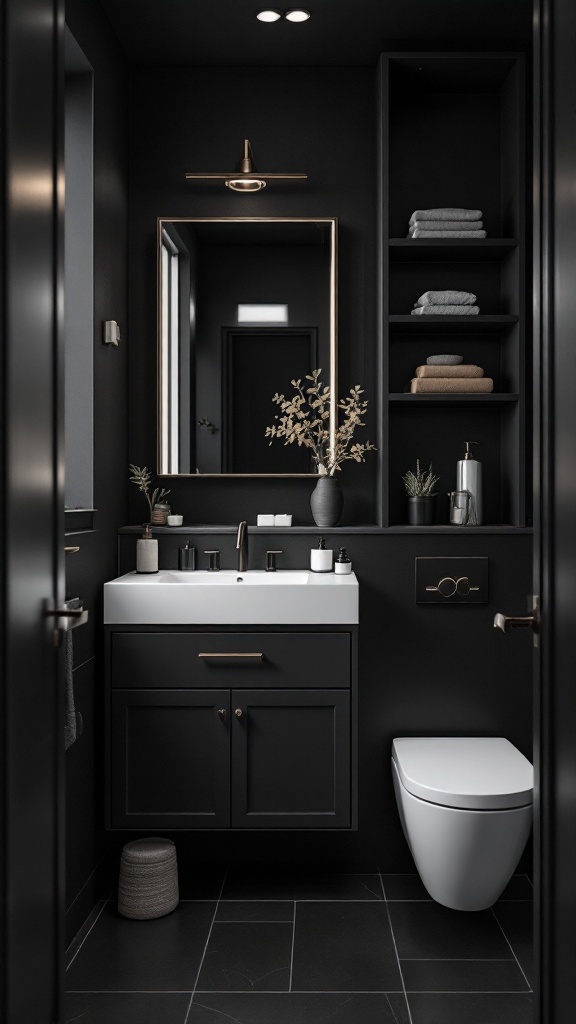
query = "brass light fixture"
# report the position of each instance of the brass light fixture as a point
(246, 178)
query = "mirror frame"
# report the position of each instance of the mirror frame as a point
(332, 222)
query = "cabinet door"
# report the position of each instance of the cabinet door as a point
(290, 758)
(170, 759)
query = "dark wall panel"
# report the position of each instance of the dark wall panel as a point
(86, 842)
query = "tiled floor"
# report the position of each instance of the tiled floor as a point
(306, 948)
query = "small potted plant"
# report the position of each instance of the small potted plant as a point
(159, 509)
(421, 494)
(305, 420)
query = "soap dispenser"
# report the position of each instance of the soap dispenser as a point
(342, 565)
(147, 551)
(187, 558)
(469, 478)
(320, 558)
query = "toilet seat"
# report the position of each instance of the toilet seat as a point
(469, 772)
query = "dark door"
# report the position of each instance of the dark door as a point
(31, 515)
(290, 759)
(555, 508)
(170, 759)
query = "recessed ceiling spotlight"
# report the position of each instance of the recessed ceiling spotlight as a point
(297, 14)
(269, 15)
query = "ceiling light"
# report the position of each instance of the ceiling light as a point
(297, 14)
(269, 15)
(245, 178)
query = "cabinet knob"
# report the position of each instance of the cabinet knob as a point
(222, 713)
(238, 712)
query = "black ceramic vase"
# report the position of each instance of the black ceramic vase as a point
(327, 502)
(421, 511)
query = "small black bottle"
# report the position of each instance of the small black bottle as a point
(187, 558)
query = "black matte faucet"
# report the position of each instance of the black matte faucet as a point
(242, 546)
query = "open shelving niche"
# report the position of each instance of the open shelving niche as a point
(452, 134)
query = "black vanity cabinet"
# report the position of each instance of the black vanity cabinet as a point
(230, 729)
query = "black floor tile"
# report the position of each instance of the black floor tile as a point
(463, 976)
(199, 883)
(255, 910)
(297, 1008)
(126, 1008)
(475, 1008)
(247, 957)
(519, 888)
(344, 947)
(404, 887)
(429, 931)
(163, 954)
(516, 922)
(252, 884)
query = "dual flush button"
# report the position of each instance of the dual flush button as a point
(449, 586)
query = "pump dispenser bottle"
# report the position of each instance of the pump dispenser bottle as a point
(320, 558)
(469, 478)
(147, 551)
(342, 565)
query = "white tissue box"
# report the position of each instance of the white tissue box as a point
(265, 520)
(283, 520)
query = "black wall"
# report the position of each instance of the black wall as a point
(86, 571)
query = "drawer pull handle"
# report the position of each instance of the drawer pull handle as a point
(222, 713)
(230, 654)
(238, 712)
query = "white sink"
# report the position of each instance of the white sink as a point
(286, 597)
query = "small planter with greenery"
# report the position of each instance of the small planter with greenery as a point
(421, 495)
(159, 509)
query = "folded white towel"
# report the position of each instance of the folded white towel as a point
(445, 298)
(445, 310)
(423, 233)
(446, 213)
(446, 225)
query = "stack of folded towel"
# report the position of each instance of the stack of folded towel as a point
(448, 379)
(446, 222)
(446, 303)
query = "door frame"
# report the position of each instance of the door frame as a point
(555, 508)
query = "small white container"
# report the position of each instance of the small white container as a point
(175, 520)
(321, 558)
(342, 565)
(265, 520)
(283, 520)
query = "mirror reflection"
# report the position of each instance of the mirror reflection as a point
(245, 305)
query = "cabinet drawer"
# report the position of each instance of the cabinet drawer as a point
(230, 659)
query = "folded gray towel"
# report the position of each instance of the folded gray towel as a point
(446, 225)
(72, 718)
(446, 298)
(423, 233)
(447, 310)
(446, 213)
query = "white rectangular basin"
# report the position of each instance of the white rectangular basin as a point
(286, 597)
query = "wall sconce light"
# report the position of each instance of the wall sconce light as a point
(294, 14)
(246, 178)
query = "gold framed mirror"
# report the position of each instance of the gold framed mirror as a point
(245, 305)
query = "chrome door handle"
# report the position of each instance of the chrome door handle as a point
(238, 712)
(509, 622)
(66, 618)
(222, 713)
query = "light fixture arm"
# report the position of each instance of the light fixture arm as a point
(247, 161)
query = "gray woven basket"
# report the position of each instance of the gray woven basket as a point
(148, 883)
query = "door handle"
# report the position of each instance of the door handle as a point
(509, 622)
(66, 618)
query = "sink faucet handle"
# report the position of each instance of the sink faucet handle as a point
(271, 559)
(214, 559)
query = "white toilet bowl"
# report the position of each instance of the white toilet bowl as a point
(465, 804)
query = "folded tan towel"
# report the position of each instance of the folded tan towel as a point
(447, 225)
(445, 310)
(451, 385)
(427, 233)
(462, 370)
(446, 298)
(446, 213)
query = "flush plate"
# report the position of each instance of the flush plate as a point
(451, 581)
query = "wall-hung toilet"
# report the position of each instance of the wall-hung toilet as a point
(465, 804)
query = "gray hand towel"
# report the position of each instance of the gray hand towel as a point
(447, 297)
(452, 386)
(72, 718)
(424, 233)
(461, 370)
(446, 213)
(447, 310)
(446, 225)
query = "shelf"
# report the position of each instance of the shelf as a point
(459, 249)
(356, 530)
(398, 398)
(452, 324)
